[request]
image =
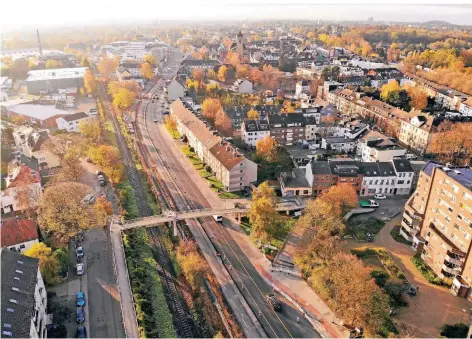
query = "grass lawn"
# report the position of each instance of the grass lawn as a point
(127, 199)
(395, 233)
(110, 134)
(360, 228)
(286, 227)
(427, 272)
(174, 134)
(378, 257)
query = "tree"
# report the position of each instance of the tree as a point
(19, 69)
(253, 114)
(52, 64)
(71, 168)
(90, 81)
(453, 143)
(123, 99)
(63, 213)
(149, 58)
(212, 74)
(242, 71)
(419, 98)
(194, 267)
(263, 215)
(454, 331)
(18, 120)
(28, 193)
(146, 70)
(223, 123)
(342, 197)
(388, 89)
(255, 76)
(131, 85)
(90, 129)
(48, 263)
(198, 74)
(210, 107)
(107, 65)
(399, 99)
(288, 108)
(222, 73)
(266, 148)
(108, 157)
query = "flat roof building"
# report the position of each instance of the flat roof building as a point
(50, 80)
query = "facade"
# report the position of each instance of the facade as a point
(175, 90)
(438, 219)
(295, 184)
(24, 298)
(416, 133)
(287, 129)
(375, 146)
(30, 143)
(302, 87)
(70, 123)
(254, 130)
(19, 234)
(227, 164)
(466, 108)
(339, 144)
(50, 80)
(379, 178)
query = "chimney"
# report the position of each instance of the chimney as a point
(39, 43)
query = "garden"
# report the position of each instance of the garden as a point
(428, 273)
(359, 228)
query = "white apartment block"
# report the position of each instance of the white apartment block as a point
(253, 131)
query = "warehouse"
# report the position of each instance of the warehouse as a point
(50, 80)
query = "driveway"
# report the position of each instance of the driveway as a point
(433, 306)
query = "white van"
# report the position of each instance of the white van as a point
(410, 156)
(218, 218)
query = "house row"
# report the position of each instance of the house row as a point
(228, 165)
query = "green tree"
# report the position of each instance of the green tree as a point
(48, 264)
(454, 331)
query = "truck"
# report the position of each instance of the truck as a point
(369, 204)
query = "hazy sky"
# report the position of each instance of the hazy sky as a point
(18, 14)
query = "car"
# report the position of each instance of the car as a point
(410, 156)
(369, 204)
(411, 290)
(81, 332)
(79, 251)
(274, 303)
(79, 269)
(166, 112)
(379, 196)
(155, 120)
(80, 315)
(80, 299)
(218, 218)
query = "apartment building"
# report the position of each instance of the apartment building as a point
(465, 107)
(227, 164)
(23, 190)
(416, 132)
(438, 220)
(19, 234)
(70, 123)
(24, 298)
(375, 146)
(254, 130)
(290, 128)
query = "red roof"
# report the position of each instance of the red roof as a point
(17, 231)
(24, 177)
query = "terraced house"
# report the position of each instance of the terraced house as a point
(438, 220)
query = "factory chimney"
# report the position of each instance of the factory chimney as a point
(39, 43)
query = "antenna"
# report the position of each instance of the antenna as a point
(39, 43)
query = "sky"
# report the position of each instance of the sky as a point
(59, 12)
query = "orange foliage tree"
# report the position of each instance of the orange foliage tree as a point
(107, 65)
(453, 143)
(342, 198)
(253, 114)
(210, 108)
(266, 148)
(223, 123)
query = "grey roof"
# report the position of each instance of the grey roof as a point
(462, 175)
(320, 167)
(402, 165)
(17, 305)
(345, 168)
(338, 140)
(377, 169)
(255, 125)
(37, 139)
(75, 116)
(329, 110)
(299, 180)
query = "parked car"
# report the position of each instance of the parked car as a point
(79, 269)
(81, 332)
(155, 120)
(79, 251)
(218, 218)
(379, 196)
(80, 299)
(80, 315)
(410, 156)
(274, 303)
(369, 204)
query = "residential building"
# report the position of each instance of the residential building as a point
(50, 80)
(41, 115)
(375, 146)
(227, 164)
(404, 173)
(295, 184)
(19, 234)
(287, 129)
(254, 130)
(238, 113)
(466, 107)
(242, 86)
(438, 220)
(378, 178)
(24, 297)
(339, 144)
(23, 190)
(175, 89)
(70, 123)
(302, 87)
(30, 143)
(416, 132)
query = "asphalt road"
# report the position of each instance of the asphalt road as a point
(283, 324)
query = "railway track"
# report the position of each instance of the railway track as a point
(183, 320)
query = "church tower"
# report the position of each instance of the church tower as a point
(240, 44)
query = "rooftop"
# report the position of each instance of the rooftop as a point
(38, 112)
(16, 231)
(75, 116)
(462, 175)
(18, 294)
(60, 73)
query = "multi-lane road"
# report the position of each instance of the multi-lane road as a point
(169, 160)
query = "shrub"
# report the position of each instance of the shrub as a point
(454, 331)
(191, 149)
(380, 277)
(208, 169)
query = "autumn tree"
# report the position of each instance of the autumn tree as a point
(63, 213)
(223, 123)
(123, 98)
(210, 107)
(255, 76)
(194, 267)
(131, 85)
(107, 65)
(90, 82)
(418, 97)
(198, 74)
(288, 108)
(453, 143)
(222, 73)
(242, 71)
(49, 265)
(146, 70)
(253, 114)
(263, 215)
(51, 64)
(233, 59)
(342, 197)
(18, 120)
(388, 89)
(266, 148)
(90, 129)
(149, 58)
(212, 75)
(71, 168)
(108, 157)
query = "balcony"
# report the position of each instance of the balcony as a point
(451, 270)
(454, 258)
